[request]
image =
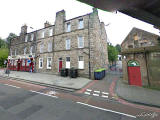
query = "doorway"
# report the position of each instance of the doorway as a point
(59, 64)
(134, 73)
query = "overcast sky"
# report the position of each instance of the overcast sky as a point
(15, 13)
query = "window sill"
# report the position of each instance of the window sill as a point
(49, 68)
(80, 47)
(80, 68)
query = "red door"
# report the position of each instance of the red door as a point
(18, 65)
(60, 64)
(134, 75)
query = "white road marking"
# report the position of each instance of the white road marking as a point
(95, 95)
(88, 90)
(97, 91)
(107, 110)
(87, 93)
(52, 93)
(44, 94)
(12, 86)
(105, 93)
(104, 96)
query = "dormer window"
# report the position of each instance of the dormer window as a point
(80, 25)
(68, 27)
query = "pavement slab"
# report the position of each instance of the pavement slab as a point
(66, 82)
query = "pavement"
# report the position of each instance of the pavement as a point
(132, 94)
(48, 79)
(137, 94)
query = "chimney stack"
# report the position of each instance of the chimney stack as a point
(59, 22)
(47, 24)
(24, 29)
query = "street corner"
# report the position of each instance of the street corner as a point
(82, 90)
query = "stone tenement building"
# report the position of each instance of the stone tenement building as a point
(80, 42)
(141, 58)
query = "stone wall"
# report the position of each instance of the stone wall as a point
(139, 38)
(94, 52)
(140, 58)
(98, 43)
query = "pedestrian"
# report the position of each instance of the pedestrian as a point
(31, 69)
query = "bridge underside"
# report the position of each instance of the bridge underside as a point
(145, 10)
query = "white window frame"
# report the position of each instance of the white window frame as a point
(40, 64)
(26, 38)
(48, 63)
(49, 46)
(11, 52)
(41, 48)
(68, 41)
(80, 23)
(68, 29)
(80, 63)
(32, 37)
(15, 53)
(68, 63)
(79, 42)
(31, 50)
(25, 49)
(50, 32)
(42, 34)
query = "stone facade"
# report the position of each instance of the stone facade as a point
(18, 44)
(87, 42)
(138, 46)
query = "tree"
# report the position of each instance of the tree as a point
(10, 37)
(3, 51)
(3, 43)
(112, 53)
(118, 47)
(3, 55)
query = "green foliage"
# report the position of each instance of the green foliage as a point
(3, 43)
(118, 47)
(112, 53)
(3, 55)
(10, 37)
